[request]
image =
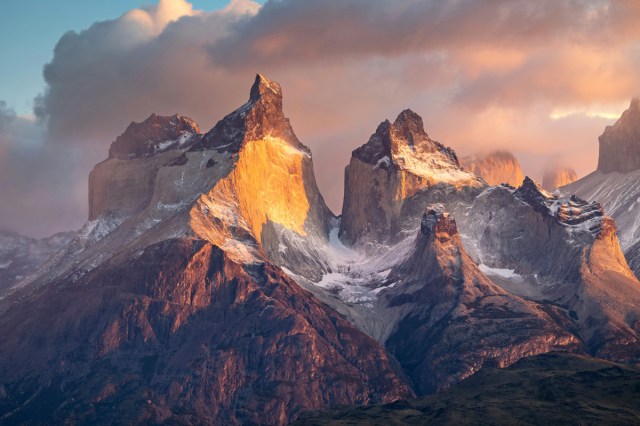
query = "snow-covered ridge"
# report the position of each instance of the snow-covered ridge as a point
(433, 166)
(405, 145)
(620, 195)
(571, 212)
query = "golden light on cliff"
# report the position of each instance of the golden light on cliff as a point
(266, 183)
(269, 185)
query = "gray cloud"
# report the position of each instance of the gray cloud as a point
(38, 186)
(484, 74)
(7, 115)
(294, 30)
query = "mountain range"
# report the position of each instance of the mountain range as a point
(212, 284)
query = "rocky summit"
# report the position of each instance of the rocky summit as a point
(212, 285)
(391, 177)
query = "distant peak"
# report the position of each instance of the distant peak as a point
(502, 155)
(265, 88)
(558, 176)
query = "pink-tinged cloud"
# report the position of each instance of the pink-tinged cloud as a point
(535, 78)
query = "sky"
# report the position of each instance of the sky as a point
(540, 79)
(39, 24)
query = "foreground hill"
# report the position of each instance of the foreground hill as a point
(547, 389)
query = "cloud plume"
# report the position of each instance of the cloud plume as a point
(541, 79)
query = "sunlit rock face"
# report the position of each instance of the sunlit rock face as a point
(399, 163)
(558, 177)
(495, 167)
(620, 143)
(564, 250)
(456, 320)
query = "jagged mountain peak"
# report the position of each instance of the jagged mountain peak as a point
(532, 190)
(260, 118)
(450, 300)
(405, 144)
(409, 124)
(398, 162)
(155, 134)
(265, 89)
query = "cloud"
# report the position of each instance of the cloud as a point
(7, 115)
(294, 30)
(38, 185)
(155, 19)
(526, 76)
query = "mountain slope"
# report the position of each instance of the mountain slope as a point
(183, 334)
(561, 250)
(454, 320)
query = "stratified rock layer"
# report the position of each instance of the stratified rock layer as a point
(123, 184)
(154, 135)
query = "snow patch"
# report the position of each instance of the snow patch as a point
(509, 274)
